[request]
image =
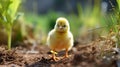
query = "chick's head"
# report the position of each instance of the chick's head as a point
(62, 25)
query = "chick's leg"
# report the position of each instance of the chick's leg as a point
(53, 55)
(66, 53)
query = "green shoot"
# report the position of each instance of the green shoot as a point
(8, 10)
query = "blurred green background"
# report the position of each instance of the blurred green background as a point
(88, 19)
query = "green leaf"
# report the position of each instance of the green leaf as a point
(13, 7)
(118, 1)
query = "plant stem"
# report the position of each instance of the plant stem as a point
(9, 37)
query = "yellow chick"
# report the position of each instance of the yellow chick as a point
(60, 38)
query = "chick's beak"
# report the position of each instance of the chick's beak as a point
(60, 27)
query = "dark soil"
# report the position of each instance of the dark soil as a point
(87, 55)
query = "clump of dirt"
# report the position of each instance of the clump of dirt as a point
(89, 56)
(10, 57)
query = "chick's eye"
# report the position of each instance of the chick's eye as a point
(64, 25)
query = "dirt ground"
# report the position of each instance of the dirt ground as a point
(82, 55)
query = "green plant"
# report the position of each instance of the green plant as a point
(8, 9)
(113, 23)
